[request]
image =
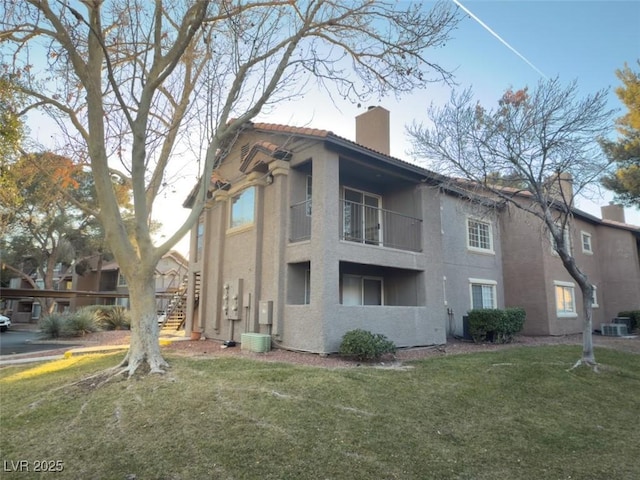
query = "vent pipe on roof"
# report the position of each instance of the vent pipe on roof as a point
(372, 129)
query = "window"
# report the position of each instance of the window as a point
(483, 293)
(361, 290)
(122, 281)
(586, 243)
(567, 241)
(479, 236)
(565, 299)
(199, 238)
(361, 217)
(308, 196)
(594, 297)
(242, 208)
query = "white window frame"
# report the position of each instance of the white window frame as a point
(489, 226)
(362, 279)
(567, 239)
(594, 298)
(586, 235)
(235, 197)
(483, 282)
(572, 288)
(122, 281)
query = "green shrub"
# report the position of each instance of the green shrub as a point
(634, 315)
(113, 317)
(52, 325)
(365, 345)
(495, 325)
(484, 322)
(80, 323)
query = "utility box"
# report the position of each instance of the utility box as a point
(232, 300)
(265, 312)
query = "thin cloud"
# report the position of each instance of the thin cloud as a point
(504, 42)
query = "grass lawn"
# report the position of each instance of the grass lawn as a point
(511, 414)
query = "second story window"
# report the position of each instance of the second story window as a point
(242, 208)
(586, 243)
(479, 236)
(122, 281)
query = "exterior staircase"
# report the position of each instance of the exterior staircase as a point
(176, 312)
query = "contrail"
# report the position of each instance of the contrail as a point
(488, 29)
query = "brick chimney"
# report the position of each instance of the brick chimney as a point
(372, 129)
(613, 212)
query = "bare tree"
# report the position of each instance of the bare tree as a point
(131, 82)
(525, 152)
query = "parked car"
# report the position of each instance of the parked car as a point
(5, 323)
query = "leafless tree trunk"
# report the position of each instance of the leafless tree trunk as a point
(520, 153)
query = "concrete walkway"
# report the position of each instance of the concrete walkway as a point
(45, 356)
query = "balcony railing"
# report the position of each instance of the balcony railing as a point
(300, 222)
(377, 226)
(363, 224)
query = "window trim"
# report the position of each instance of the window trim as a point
(246, 225)
(566, 233)
(572, 286)
(487, 283)
(594, 298)
(583, 235)
(489, 224)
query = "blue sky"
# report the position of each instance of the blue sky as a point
(574, 40)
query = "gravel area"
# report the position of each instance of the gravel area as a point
(212, 348)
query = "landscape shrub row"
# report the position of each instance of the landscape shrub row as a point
(496, 325)
(634, 315)
(85, 320)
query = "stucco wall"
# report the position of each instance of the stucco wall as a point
(462, 264)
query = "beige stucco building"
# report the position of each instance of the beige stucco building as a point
(307, 235)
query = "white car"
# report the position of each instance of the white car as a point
(5, 323)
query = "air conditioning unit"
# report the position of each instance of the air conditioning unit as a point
(614, 329)
(255, 342)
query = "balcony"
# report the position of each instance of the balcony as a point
(363, 224)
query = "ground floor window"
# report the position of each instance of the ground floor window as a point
(565, 299)
(361, 290)
(483, 293)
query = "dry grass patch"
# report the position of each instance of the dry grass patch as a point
(514, 414)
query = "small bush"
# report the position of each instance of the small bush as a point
(634, 315)
(113, 317)
(494, 325)
(52, 325)
(484, 322)
(365, 345)
(80, 323)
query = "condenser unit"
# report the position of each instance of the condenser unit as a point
(614, 329)
(255, 342)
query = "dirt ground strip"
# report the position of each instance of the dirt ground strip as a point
(211, 348)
